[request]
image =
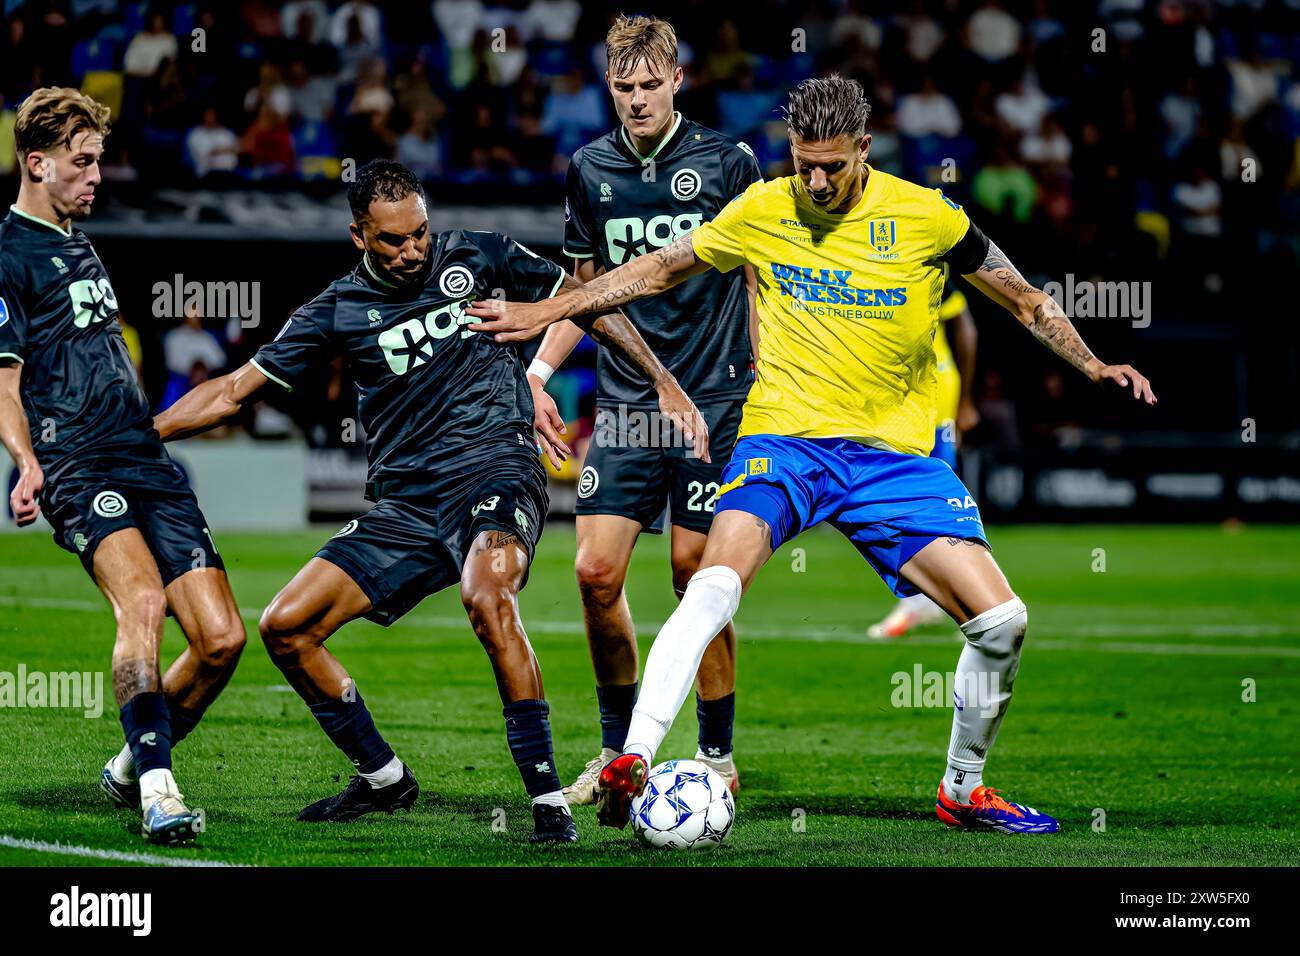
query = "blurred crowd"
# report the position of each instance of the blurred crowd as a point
(1140, 139)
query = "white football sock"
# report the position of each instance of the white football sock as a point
(986, 671)
(155, 783)
(385, 776)
(555, 799)
(709, 603)
(122, 767)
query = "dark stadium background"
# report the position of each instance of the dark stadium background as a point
(1100, 162)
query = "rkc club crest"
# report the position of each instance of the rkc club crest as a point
(882, 234)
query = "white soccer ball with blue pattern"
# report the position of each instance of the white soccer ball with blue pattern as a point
(685, 805)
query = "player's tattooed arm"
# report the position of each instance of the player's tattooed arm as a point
(209, 404)
(17, 439)
(642, 277)
(1002, 282)
(614, 331)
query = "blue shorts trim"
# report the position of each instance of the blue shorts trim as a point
(889, 504)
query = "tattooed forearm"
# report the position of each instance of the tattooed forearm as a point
(132, 677)
(616, 333)
(1053, 328)
(601, 294)
(1002, 281)
(676, 253)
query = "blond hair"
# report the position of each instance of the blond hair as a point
(53, 116)
(633, 39)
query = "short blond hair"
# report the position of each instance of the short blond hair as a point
(633, 39)
(53, 116)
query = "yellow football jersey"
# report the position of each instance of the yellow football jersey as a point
(848, 307)
(945, 366)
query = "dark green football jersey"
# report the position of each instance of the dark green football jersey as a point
(58, 316)
(620, 205)
(434, 397)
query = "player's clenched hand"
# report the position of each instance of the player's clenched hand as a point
(549, 425)
(1126, 376)
(681, 411)
(25, 498)
(511, 321)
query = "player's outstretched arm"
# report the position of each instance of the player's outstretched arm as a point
(644, 276)
(557, 345)
(209, 404)
(17, 439)
(1002, 282)
(614, 331)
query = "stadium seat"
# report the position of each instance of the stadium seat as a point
(96, 53)
(184, 19)
(317, 150)
(105, 86)
(133, 16)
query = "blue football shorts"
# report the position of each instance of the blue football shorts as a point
(889, 504)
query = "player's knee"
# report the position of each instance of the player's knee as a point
(685, 561)
(682, 574)
(491, 609)
(283, 630)
(600, 580)
(222, 645)
(142, 610)
(1000, 630)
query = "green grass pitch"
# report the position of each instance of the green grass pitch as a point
(1129, 710)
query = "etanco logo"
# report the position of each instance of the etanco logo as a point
(410, 345)
(627, 238)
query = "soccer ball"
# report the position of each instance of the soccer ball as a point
(685, 805)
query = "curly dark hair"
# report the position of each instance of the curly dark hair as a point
(381, 179)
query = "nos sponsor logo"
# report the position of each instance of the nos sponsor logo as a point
(92, 301)
(410, 345)
(627, 238)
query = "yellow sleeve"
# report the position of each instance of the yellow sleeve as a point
(952, 306)
(950, 223)
(721, 242)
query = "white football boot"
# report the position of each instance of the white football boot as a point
(910, 613)
(583, 791)
(725, 767)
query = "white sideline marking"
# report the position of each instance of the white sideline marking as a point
(847, 635)
(122, 856)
